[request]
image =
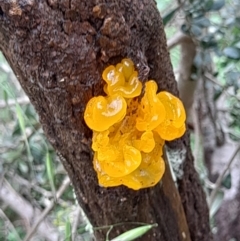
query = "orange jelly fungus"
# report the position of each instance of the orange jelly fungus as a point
(151, 110)
(106, 111)
(173, 125)
(122, 80)
(128, 133)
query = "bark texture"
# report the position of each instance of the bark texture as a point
(58, 49)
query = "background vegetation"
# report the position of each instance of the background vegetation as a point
(203, 40)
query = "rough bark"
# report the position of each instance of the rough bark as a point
(58, 50)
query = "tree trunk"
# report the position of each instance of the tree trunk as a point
(58, 49)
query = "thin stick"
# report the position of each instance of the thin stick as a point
(75, 222)
(59, 193)
(21, 101)
(220, 178)
(213, 80)
(30, 185)
(197, 132)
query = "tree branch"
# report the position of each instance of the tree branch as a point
(220, 178)
(177, 39)
(77, 214)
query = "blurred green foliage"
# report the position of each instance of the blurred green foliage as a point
(25, 153)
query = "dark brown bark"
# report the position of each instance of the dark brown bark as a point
(58, 50)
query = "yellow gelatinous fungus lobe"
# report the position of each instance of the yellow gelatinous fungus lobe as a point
(103, 179)
(174, 108)
(129, 133)
(113, 78)
(146, 142)
(151, 170)
(102, 112)
(127, 67)
(151, 111)
(126, 161)
(131, 88)
(122, 80)
(148, 174)
(144, 176)
(174, 124)
(100, 140)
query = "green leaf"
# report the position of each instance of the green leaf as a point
(208, 5)
(216, 203)
(233, 136)
(232, 78)
(232, 52)
(134, 233)
(237, 22)
(38, 151)
(5, 96)
(12, 155)
(16, 129)
(208, 42)
(217, 5)
(169, 16)
(196, 30)
(20, 117)
(217, 94)
(82, 229)
(201, 22)
(68, 231)
(227, 181)
(21, 120)
(23, 167)
(237, 45)
(4, 84)
(50, 173)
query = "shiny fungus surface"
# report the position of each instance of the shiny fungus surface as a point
(129, 131)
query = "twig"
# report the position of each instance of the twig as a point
(214, 81)
(28, 184)
(197, 132)
(177, 39)
(220, 178)
(75, 222)
(185, 84)
(59, 193)
(21, 101)
(4, 217)
(25, 210)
